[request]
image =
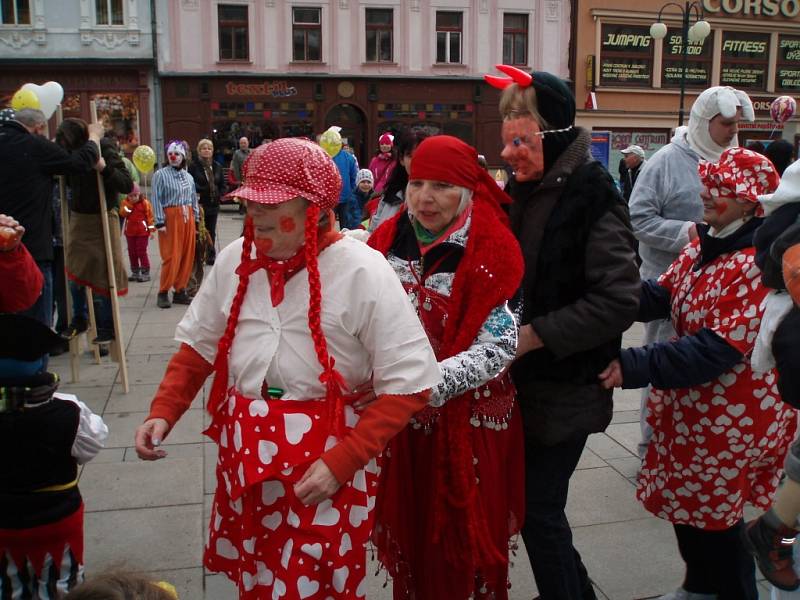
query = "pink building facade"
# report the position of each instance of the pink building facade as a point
(264, 68)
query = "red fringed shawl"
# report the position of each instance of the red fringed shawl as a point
(488, 274)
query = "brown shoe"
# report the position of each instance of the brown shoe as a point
(770, 542)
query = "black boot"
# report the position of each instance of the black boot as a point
(144, 275)
(770, 542)
(77, 325)
(181, 297)
(163, 300)
(134, 276)
(104, 336)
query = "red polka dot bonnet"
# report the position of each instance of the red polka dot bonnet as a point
(287, 168)
(740, 173)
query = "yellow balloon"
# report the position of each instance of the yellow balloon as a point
(144, 158)
(331, 142)
(25, 99)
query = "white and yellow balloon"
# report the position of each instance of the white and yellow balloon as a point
(44, 97)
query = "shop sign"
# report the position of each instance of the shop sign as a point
(744, 59)
(650, 141)
(787, 72)
(767, 8)
(601, 145)
(276, 89)
(626, 55)
(698, 64)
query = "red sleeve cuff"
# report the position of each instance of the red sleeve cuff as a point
(379, 423)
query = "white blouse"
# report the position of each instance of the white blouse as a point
(372, 330)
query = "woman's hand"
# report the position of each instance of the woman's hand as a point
(11, 233)
(528, 340)
(611, 376)
(365, 396)
(149, 436)
(316, 484)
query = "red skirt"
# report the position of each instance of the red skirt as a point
(405, 512)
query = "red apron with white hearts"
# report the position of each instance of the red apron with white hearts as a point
(721, 444)
(260, 535)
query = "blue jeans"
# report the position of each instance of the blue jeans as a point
(42, 310)
(102, 308)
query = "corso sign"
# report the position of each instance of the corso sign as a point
(769, 8)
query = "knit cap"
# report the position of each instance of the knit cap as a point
(364, 174)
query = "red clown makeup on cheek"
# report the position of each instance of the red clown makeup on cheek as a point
(721, 206)
(287, 224)
(264, 245)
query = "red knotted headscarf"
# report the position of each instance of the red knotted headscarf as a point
(740, 173)
(446, 158)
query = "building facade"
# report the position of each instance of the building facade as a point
(98, 50)
(754, 45)
(267, 68)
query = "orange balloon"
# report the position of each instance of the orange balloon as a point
(791, 272)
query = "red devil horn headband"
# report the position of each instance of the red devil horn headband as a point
(515, 75)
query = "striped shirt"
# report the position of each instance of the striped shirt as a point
(172, 187)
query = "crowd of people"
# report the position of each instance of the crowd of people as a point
(411, 356)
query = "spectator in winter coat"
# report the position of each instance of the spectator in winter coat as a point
(209, 182)
(139, 227)
(363, 193)
(26, 186)
(633, 156)
(780, 153)
(383, 162)
(239, 157)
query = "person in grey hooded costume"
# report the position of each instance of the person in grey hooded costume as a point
(665, 205)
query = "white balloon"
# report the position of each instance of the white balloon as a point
(50, 96)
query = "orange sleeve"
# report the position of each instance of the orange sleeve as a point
(186, 373)
(148, 208)
(125, 208)
(378, 424)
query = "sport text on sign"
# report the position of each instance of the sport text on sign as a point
(277, 89)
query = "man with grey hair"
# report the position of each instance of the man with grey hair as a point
(239, 157)
(665, 204)
(28, 162)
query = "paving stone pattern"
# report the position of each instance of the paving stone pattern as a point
(152, 517)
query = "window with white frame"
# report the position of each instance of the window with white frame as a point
(234, 32)
(306, 34)
(15, 12)
(449, 29)
(515, 39)
(109, 12)
(379, 25)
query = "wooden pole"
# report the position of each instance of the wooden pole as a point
(119, 352)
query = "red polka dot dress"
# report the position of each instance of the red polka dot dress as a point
(720, 444)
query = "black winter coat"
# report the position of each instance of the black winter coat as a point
(209, 201)
(580, 293)
(27, 165)
(117, 180)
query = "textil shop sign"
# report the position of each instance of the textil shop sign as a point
(626, 56)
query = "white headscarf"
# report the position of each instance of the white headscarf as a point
(719, 100)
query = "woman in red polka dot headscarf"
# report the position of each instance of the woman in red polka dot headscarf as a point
(295, 319)
(720, 428)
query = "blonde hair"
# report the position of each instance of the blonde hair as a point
(518, 102)
(203, 142)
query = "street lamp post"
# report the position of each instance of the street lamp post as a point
(696, 33)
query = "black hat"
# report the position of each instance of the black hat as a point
(554, 100)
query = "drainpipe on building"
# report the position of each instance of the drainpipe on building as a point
(573, 43)
(158, 133)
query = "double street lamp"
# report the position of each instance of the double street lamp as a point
(697, 32)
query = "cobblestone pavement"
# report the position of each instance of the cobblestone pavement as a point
(152, 516)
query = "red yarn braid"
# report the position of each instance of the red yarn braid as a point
(334, 383)
(219, 388)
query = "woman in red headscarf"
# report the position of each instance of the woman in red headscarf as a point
(721, 431)
(383, 162)
(452, 483)
(293, 317)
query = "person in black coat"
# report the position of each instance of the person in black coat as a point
(210, 184)
(28, 162)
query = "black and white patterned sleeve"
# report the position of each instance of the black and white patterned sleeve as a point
(490, 353)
